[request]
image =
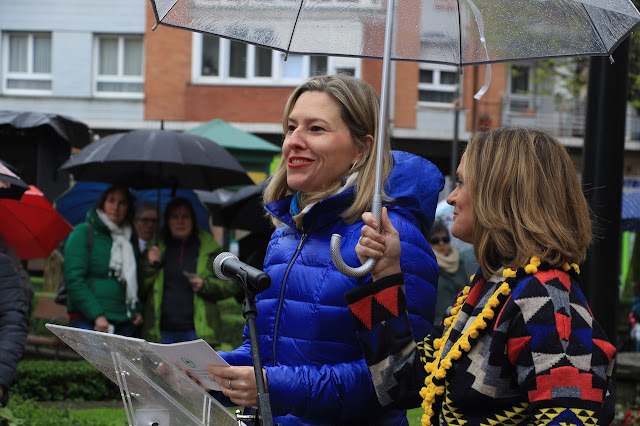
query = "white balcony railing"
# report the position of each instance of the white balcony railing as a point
(560, 120)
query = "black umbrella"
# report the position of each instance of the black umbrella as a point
(40, 125)
(239, 210)
(11, 186)
(145, 159)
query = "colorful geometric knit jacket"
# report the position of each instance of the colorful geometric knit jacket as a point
(539, 359)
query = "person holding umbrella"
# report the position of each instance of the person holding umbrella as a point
(100, 271)
(314, 368)
(520, 344)
(179, 289)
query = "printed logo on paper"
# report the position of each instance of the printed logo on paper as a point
(188, 362)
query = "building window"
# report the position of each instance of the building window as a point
(119, 66)
(520, 89)
(220, 61)
(437, 84)
(27, 60)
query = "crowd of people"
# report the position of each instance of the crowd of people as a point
(516, 342)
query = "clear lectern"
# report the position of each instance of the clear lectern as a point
(153, 390)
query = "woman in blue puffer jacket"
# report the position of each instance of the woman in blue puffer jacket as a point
(314, 368)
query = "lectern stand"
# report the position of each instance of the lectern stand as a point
(153, 390)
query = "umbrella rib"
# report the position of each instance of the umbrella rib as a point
(293, 29)
(459, 40)
(593, 26)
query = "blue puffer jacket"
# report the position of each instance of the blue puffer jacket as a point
(315, 368)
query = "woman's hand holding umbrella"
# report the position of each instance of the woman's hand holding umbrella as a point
(383, 246)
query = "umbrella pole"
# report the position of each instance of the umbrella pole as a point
(376, 207)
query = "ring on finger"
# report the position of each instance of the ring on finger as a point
(230, 388)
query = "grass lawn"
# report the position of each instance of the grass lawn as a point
(118, 417)
(110, 416)
(414, 416)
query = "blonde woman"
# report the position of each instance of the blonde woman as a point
(314, 368)
(520, 344)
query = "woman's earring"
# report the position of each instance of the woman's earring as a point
(354, 165)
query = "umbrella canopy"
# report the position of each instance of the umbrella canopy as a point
(145, 159)
(11, 186)
(74, 204)
(240, 210)
(45, 126)
(631, 211)
(232, 138)
(244, 210)
(31, 225)
(438, 31)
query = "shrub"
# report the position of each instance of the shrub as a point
(62, 381)
(19, 412)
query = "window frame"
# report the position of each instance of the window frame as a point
(277, 68)
(528, 97)
(437, 86)
(30, 74)
(120, 77)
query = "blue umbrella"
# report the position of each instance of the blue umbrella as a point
(631, 211)
(74, 204)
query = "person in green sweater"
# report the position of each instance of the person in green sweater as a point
(100, 267)
(179, 289)
(452, 277)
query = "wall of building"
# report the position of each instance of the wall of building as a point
(72, 24)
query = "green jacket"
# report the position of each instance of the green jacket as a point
(91, 290)
(205, 309)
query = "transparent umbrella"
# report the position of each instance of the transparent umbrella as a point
(456, 32)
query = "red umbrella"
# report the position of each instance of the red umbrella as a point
(31, 225)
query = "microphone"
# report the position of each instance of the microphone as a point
(227, 265)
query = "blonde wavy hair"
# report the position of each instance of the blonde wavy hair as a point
(359, 106)
(526, 198)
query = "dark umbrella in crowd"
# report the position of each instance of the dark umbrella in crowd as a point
(146, 159)
(244, 210)
(41, 125)
(11, 186)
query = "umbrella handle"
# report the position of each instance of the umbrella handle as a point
(336, 256)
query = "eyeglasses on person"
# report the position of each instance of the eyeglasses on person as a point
(148, 220)
(436, 240)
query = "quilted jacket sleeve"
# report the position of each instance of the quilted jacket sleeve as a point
(76, 273)
(13, 323)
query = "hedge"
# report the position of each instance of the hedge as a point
(44, 380)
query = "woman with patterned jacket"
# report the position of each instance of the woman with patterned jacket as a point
(179, 290)
(519, 345)
(314, 368)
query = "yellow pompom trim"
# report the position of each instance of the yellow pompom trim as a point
(508, 273)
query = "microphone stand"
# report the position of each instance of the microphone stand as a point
(262, 415)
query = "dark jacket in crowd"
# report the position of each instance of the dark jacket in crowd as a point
(13, 323)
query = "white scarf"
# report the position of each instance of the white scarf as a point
(449, 263)
(122, 261)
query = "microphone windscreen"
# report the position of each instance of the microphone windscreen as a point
(219, 260)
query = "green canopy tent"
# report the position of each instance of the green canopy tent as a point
(254, 153)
